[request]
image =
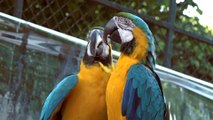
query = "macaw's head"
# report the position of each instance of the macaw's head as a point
(97, 50)
(134, 36)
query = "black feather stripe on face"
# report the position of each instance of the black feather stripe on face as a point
(128, 47)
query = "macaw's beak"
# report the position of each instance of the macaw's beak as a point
(96, 44)
(99, 49)
(93, 41)
(111, 32)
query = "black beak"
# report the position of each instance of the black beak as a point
(93, 41)
(99, 49)
(111, 31)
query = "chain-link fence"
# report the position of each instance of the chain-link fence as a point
(32, 61)
(182, 50)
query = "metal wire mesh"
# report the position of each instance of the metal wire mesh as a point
(144, 7)
(77, 17)
(71, 17)
(193, 58)
(6, 6)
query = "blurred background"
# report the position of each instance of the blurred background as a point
(34, 59)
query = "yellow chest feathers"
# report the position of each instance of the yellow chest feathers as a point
(87, 100)
(117, 81)
(96, 71)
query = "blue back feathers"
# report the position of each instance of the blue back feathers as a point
(142, 97)
(57, 96)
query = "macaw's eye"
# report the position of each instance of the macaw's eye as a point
(124, 23)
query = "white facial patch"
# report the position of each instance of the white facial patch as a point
(125, 35)
(105, 52)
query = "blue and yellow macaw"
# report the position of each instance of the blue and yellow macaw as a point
(82, 96)
(134, 90)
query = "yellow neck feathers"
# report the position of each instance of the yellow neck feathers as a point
(141, 42)
(138, 54)
(118, 77)
(93, 70)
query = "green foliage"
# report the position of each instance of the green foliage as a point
(76, 17)
(193, 57)
(189, 56)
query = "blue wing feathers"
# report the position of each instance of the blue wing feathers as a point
(142, 97)
(57, 95)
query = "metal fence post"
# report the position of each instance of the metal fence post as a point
(170, 33)
(16, 87)
(18, 7)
